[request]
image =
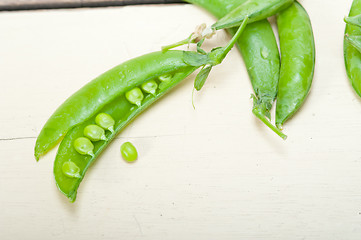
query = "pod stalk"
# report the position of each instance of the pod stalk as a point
(235, 37)
(177, 44)
(263, 118)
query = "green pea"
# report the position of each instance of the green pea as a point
(84, 146)
(129, 152)
(94, 133)
(165, 77)
(135, 96)
(150, 87)
(71, 170)
(105, 121)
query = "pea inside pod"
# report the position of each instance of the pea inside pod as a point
(94, 133)
(84, 146)
(105, 121)
(166, 77)
(135, 96)
(71, 170)
(150, 87)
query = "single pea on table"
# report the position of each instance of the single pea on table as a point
(129, 152)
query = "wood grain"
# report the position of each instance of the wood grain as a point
(213, 173)
(12, 5)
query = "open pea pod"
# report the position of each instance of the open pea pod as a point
(255, 10)
(111, 101)
(123, 112)
(96, 94)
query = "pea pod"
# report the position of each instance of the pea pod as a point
(298, 61)
(123, 112)
(351, 55)
(354, 40)
(105, 88)
(354, 20)
(115, 110)
(259, 50)
(255, 10)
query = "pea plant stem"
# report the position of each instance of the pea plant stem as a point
(177, 44)
(235, 37)
(258, 113)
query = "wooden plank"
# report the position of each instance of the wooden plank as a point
(11, 5)
(211, 173)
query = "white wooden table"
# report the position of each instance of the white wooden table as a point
(211, 173)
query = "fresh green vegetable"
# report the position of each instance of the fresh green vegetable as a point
(94, 133)
(129, 152)
(165, 77)
(260, 53)
(255, 10)
(298, 61)
(84, 146)
(135, 96)
(354, 20)
(90, 99)
(351, 54)
(150, 87)
(354, 40)
(105, 101)
(105, 121)
(71, 170)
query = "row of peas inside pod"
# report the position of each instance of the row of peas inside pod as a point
(84, 145)
(93, 133)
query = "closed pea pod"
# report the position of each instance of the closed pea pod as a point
(298, 61)
(121, 110)
(255, 9)
(259, 50)
(352, 56)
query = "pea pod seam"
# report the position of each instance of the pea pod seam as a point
(255, 10)
(352, 56)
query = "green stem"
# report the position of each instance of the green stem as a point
(177, 44)
(235, 37)
(263, 118)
